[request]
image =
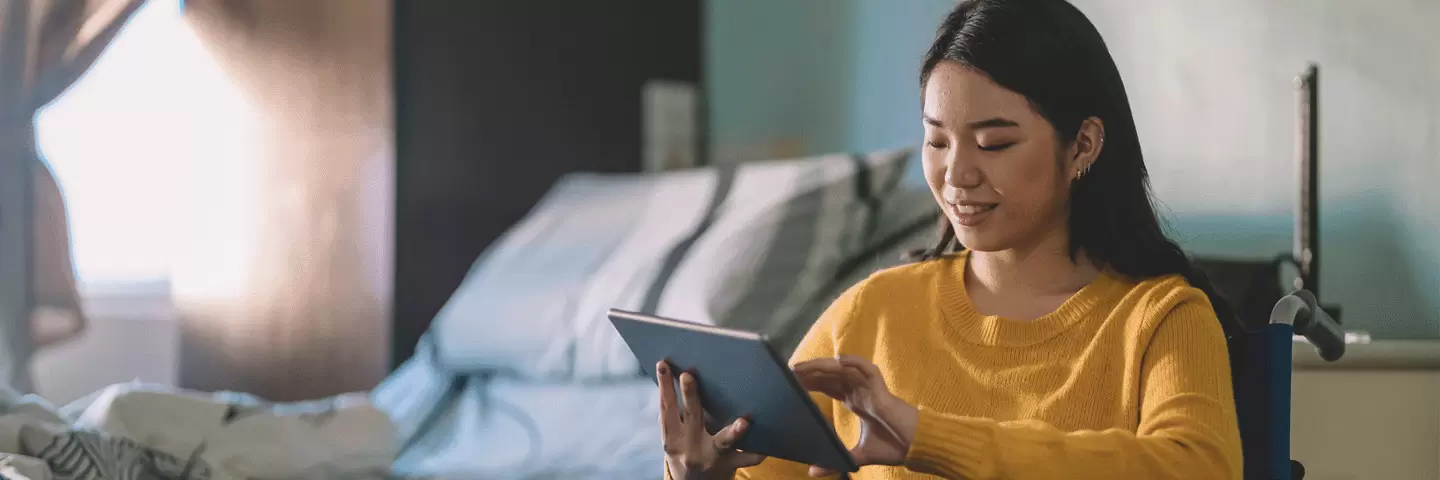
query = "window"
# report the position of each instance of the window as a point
(127, 141)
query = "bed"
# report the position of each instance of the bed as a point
(520, 377)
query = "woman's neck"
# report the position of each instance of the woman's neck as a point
(1041, 269)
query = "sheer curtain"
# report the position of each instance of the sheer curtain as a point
(45, 45)
(284, 280)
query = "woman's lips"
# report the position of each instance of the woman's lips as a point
(972, 214)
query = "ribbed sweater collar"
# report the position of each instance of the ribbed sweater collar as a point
(964, 321)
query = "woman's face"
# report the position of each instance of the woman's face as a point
(993, 163)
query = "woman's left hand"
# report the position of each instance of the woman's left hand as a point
(887, 423)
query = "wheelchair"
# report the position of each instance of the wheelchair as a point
(1262, 387)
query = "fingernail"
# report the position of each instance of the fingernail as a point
(662, 368)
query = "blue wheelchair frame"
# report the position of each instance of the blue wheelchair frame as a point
(1262, 387)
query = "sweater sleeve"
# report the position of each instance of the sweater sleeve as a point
(1187, 426)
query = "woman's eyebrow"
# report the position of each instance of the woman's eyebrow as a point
(995, 122)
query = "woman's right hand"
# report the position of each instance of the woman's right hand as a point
(691, 452)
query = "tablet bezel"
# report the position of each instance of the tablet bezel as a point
(832, 437)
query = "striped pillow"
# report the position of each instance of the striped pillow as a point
(747, 247)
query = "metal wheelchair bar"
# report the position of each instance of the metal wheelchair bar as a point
(1298, 313)
(1302, 312)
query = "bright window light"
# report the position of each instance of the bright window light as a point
(128, 142)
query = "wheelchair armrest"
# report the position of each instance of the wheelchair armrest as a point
(1302, 311)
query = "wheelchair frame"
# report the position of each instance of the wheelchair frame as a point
(1262, 394)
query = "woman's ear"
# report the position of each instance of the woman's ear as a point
(1089, 141)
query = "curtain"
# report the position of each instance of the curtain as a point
(45, 45)
(285, 291)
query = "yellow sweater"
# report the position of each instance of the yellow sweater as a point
(1126, 380)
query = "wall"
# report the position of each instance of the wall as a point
(1211, 86)
(776, 73)
(804, 77)
(133, 335)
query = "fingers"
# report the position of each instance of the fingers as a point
(830, 376)
(725, 442)
(830, 385)
(857, 379)
(694, 414)
(868, 368)
(725, 439)
(819, 365)
(839, 363)
(669, 405)
(855, 371)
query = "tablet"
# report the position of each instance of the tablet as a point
(739, 374)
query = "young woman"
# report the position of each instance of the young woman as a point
(1068, 338)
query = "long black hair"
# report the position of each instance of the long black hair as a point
(1047, 51)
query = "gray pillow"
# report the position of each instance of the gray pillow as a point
(747, 247)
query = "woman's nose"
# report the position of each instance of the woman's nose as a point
(962, 176)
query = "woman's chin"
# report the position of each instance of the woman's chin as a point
(979, 239)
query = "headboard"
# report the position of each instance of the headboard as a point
(497, 100)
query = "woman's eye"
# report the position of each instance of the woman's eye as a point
(997, 147)
(936, 144)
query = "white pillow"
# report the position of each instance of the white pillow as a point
(534, 305)
(777, 243)
(513, 311)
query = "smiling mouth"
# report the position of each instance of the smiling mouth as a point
(972, 209)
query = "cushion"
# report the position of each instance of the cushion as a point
(514, 308)
(746, 247)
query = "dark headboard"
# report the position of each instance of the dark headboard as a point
(495, 100)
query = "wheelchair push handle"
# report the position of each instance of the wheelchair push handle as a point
(1302, 311)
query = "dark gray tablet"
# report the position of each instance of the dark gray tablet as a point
(739, 374)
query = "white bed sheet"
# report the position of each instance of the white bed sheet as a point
(469, 427)
(455, 426)
(518, 430)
